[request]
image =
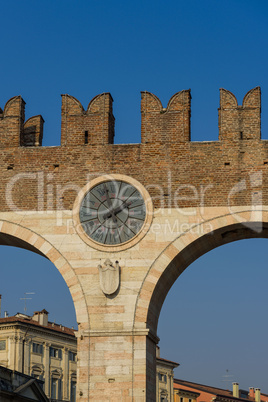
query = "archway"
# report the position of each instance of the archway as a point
(12, 234)
(18, 236)
(214, 318)
(181, 253)
(30, 282)
(184, 250)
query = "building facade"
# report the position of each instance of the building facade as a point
(33, 346)
(170, 389)
(15, 386)
(187, 391)
(164, 378)
(47, 351)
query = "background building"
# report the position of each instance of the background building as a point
(19, 387)
(164, 378)
(169, 389)
(46, 351)
(184, 392)
(42, 349)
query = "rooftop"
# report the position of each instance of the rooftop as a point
(219, 392)
(39, 320)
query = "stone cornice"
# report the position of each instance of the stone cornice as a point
(29, 328)
(112, 333)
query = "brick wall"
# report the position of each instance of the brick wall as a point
(166, 161)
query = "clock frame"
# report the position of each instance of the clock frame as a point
(112, 212)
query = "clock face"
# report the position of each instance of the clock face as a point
(112, 212)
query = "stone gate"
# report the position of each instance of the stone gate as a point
(122, 222)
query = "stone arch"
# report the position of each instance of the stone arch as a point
(184, 250)
(16, 235)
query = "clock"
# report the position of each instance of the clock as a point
(113, 211)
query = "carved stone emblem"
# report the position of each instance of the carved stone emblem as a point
(109, 277)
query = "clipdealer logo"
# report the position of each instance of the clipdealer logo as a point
(50, 199)
(252, 184)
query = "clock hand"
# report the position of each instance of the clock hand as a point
(122, 206)
(117, 210)
(109, 202)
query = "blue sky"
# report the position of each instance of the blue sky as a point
(88, 47)
(214, 317)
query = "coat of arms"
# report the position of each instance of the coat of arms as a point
(109, 277)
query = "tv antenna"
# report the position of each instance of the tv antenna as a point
(26, 298)
(227, 377)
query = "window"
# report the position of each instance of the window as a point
(162, 377)
(2, 345)
(55, 391)
(54, 388)
(73, 390)
(72, 356)
(59, 389)
(37, 348)
(55, 352)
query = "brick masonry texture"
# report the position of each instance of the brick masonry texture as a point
(165, 157)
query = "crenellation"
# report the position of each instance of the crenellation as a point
(14, 132)
(236, 122)
(252, 115)
(87, 127)
(95, 125)
(162, 155)
(171, 124)
(11, 122)
(32, 134)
